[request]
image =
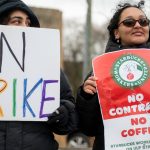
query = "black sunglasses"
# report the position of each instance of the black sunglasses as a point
(131, 22)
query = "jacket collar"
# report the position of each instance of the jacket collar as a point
(112, 46)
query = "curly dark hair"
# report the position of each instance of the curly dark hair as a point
(113, 24)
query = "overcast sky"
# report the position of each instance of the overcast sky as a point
(76, 9)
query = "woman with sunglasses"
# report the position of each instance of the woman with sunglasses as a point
(128, 28)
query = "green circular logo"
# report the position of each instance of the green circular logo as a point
(130, 71)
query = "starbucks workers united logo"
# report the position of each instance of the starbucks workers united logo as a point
(130, 71)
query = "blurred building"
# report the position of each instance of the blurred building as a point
(51, 18)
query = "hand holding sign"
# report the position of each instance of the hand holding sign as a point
(63, 118)
(60, 116)
(90, 85)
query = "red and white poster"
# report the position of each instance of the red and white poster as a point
(123, 87)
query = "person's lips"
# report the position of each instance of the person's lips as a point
(138, 33)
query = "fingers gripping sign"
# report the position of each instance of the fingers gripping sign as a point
(90, 85)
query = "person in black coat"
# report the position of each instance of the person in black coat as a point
(28, 135)
(128, 28)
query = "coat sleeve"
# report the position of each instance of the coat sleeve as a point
(65, 88)
(90, 119)
(67, 100)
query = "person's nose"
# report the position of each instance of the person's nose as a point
(137, 24)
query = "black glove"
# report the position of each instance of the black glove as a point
(63, 120)
(60, 116)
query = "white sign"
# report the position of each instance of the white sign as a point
(29, 73)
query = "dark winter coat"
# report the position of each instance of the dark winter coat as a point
(37, 135)
(90, 119)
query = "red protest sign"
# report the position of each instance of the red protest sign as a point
(123, 82)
